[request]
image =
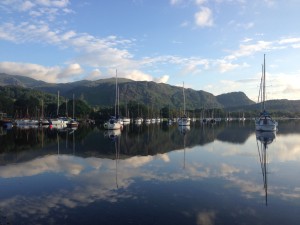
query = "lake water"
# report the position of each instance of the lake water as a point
(156, 174)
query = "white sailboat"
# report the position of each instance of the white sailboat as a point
(113, 123)
(264, 122)
(184, 120)
(73, 122)
(59, 121)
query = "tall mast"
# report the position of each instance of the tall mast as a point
(57, 103)
(118, 102)
(42, 113)
(116, 94)
(183, 100)
(66, 107)
(73, 106)
(264, 83)
(260, 95)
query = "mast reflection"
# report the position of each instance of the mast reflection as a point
(183, 131)
(265, 138)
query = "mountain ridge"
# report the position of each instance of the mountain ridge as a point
(102, 92)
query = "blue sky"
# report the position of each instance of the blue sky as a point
(211, 45)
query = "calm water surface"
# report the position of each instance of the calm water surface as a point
(155, 174)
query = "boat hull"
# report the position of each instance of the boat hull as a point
(184, 122)
(113, 124)
(59, 121)
(264, 124)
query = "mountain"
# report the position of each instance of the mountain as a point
(234, 99)
(16, 80)
(284, 106)
(102, 93)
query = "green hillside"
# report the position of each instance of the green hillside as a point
(101, 94)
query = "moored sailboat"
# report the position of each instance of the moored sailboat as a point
(184, 120)
(264, 122)
(114, 123)
(73, 122)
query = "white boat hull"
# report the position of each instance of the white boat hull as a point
(26, 122)
(267, 124)
(113, 124)
(184, 122)
(59, 121)
(126, 121)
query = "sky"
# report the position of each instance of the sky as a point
(216, 46)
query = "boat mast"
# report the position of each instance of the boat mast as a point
(73, 107)
(66, 107)
(42, 113)
(57, 103)
(183, 99)
(116, 93)
(264, 83)
(118, 102)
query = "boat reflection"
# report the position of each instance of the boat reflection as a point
(117, 149)
(265, 138)
(184, 129)
(112, 134)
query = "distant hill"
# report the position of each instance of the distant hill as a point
(280, 105)
(234, 99)
(102, 93)
(7, 80)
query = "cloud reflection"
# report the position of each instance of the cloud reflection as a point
(206, 218)
(99, 179)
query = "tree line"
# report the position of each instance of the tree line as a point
(21, 102)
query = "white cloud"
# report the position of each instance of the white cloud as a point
(200, 2)
(27, 5)
(163, 79)
(93, 51)
(296, 46)
(68, 35)
(49, 8)
(246, 50)
(203, 18)
(226, 66)
(193, 64)
(109, 52)
(6, 32)
(175, 2)
(38, 5)
(138, 76)
(70, 70)
(53, 3)
(94, 75)
(48, 74)
(289, 41)
(247, 40)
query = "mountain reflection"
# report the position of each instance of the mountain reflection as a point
(134, 140)
(53, 176)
